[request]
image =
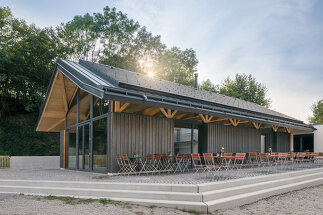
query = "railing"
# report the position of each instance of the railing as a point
(4, 162)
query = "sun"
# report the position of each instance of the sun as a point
(150, 74)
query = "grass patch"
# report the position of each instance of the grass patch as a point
(108, 201)
(190, 211)
(73, 201)
(66, 199)
(86, 201)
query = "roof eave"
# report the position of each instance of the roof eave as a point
(138, 97)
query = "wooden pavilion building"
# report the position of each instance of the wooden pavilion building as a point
(102, 111)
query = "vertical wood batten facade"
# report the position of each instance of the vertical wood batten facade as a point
(283, 142)
(233, 139)
(138, 134)
(241, 139)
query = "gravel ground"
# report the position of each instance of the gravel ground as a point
(20, 204)
(180, 178)
(307, 201)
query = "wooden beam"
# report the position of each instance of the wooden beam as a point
(48, 98)
(151, 111)
(173, 114)
(234, 122)
(242, 122)
(180, 116)
(121, 108)
(288, 130)
(206, 118)
(73, 95)
(64, 97)
(219, 120)
(169, 114)
(164, 112)
(56, 124)
(191, 117)
(203, 118)
(116, 106)
(256, 125)
(275, 128)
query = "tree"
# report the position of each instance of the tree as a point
(209, 86)
(27, 58)
(177, 66)
(245, 87)
(113, 39)
(317, 109)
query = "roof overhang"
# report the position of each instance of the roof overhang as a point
(83, 78)
(149, 99)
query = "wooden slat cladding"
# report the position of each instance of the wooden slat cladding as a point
(240, 139)
(138, 134)
(283, 142)
(233, 139)
(4, 162)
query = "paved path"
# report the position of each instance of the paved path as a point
(180, 178)
(307, 201)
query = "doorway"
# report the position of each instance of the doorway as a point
(84, 147)
(303, 143)
(263, 143)
(185, 138)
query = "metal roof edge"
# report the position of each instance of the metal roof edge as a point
(60, 66)
(142, 98)
(210, 103)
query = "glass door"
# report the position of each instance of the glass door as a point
(84, 146)
(184, 141)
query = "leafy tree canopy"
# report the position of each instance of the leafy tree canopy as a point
(243, 87)
(27, 56)
(112, 38)
(317, 109)
(209, 86)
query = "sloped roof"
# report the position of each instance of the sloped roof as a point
(113, 83)
(128, 78)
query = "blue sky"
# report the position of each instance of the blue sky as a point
(278, 42)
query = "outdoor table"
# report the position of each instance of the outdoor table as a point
(140, 162)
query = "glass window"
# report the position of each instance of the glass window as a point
(100, 106)
(71, 116)
(85, 100)
(71, 148)
(80, 148)
(86, 147)
(100, 145)
(183, 141)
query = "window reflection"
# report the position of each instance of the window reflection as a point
(100, 145)
(71, 148)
